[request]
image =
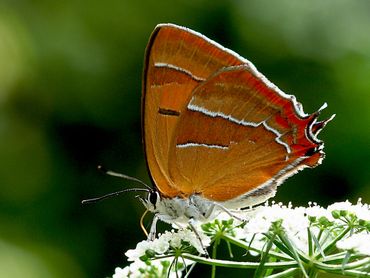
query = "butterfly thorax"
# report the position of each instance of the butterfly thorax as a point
(179, 210)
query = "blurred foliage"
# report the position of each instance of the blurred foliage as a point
(70, 82)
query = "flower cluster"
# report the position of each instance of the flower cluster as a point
(169, 241)
(156, 269)
(289, 240)
(167, 245)
(296, 221)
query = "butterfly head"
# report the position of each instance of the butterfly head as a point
(152, 200)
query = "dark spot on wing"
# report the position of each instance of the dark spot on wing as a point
(168, 112)
(310, 152)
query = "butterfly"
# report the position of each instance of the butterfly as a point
(217, 134)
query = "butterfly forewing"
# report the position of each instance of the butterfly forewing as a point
(177, 60)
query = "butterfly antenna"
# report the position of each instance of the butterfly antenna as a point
(98, 199)
(119, 175)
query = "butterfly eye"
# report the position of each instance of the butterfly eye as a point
(153, 197)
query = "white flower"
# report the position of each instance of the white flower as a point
(121, 272)
(132, 271)
(294, 220)
(139, 269)
(357, 242)
(160, 245)
(223, 216)
(198, 243)
(139, 251)
(317, 212)
(344, 206)
(261, 218)
(296, 224)
(257, 225)
(174, 239)
(362, 211)
(236, 215)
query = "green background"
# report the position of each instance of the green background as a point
(70, 86)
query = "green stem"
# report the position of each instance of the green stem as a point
(291, 272)
(242, 244)
(331, 245)
(336, 257)
(260, 271)
(312, 273)
(214, 256)
(320, 234)
(355, 273)
(232, 264)
(340, 267)
(298, 256)
(318, 248)
(309, 238)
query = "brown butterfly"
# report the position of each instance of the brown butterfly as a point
(217, 134)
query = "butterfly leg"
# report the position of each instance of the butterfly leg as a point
(191, 225)
(208, 213)
(153, 228)
(221, 207)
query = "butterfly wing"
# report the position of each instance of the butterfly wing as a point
(240, 135)
(214, 126)
(177, 60)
